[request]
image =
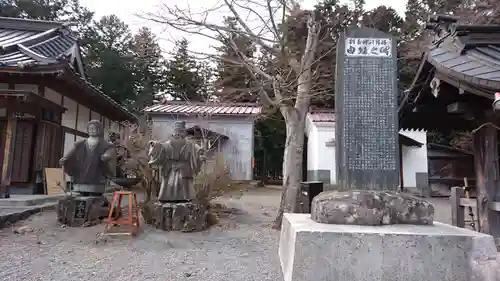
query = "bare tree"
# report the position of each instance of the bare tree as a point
(260, 22)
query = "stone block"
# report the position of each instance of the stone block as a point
(176, 216)
(82, 211)
(370, 207)
(311, 251)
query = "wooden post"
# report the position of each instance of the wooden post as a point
(487, 178)
(10, 140)
(401, 171)
(457, 210)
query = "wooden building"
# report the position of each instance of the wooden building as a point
(46, 99)
(448, 166)
(454, 90)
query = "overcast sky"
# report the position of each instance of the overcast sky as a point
(126, 11)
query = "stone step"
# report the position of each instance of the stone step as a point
(29, 200)
(13, 214)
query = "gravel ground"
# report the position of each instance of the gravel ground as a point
(241, 247)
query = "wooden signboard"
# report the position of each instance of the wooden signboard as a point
(55, 182)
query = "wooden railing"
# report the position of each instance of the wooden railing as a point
(458, 207)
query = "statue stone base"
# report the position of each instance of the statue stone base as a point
(176, 216)
(82, 210)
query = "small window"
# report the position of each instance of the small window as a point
(51, 116)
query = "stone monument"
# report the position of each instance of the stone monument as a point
(179, 160)
(370, 232)
(89, 164)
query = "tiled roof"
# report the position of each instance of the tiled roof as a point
(322, 116)
(467, 52)
(28, 42)
(185, 108)
(25, 44)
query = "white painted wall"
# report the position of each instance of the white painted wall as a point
(95, 116)
(319, 155)
(83, 118)
(237, 151)
(414, 158)
(322, 157)
(52, 95)
(69, 117)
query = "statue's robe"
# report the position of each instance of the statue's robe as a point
(180, 161)
(84, 165)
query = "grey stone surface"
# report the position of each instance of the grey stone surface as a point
(185, 216)
(29, 200)
(366, 117)
(82, 210)
(12, 214)
(311, 251)
(423, 185)
(180, 160)
(369, 207)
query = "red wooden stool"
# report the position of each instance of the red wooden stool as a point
(132, 219)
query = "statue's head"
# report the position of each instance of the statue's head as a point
(94, 128)
(179, 129)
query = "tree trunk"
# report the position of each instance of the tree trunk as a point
(292, 161)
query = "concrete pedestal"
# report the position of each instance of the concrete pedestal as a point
(311, 251)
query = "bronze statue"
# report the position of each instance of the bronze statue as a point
(88, 162)
(180, 160)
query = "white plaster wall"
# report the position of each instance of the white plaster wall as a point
(52, 95)
(326, 154)
(95, 116)
(237, 151)
(414, 158)
(312, 143)
(322, 157)
(83, 118)
(69, 139)
(105, 124)
(319, 155)
(69, 117)
(27, 87)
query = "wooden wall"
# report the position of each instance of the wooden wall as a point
(34, 141)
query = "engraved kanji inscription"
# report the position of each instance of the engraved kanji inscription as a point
(368, 47)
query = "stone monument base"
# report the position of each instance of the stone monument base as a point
(176, 216)
(82, 210)
(311, 251)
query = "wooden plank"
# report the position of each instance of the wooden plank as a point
(464, 202)
(10, 140)
(55, 181)
(485, 143)
(457, 209)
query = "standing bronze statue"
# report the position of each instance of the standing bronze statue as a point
(88, 162)
(179, 160)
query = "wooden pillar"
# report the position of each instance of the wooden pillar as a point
(10, 140)
(485, 143)
(457, 210)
